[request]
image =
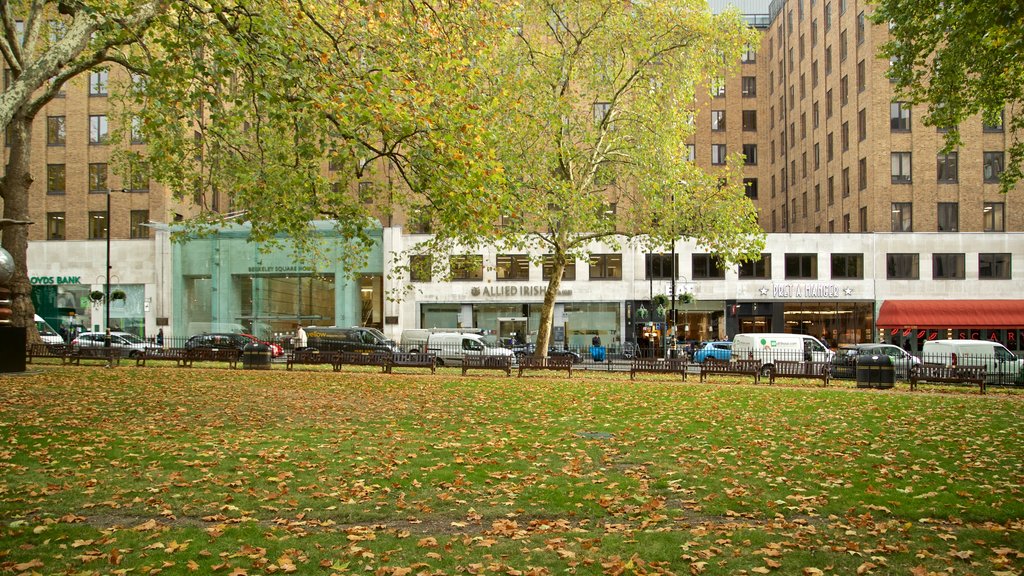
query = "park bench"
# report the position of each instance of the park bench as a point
(46, 351)
(485, 362)
(546, 363)
(178, 355)
(379, 359)
(733, 367)
(929, 372)
(412, 360)
(111, 356)
(308, 356)
(658, 366)
(797, 369)
(229, 355)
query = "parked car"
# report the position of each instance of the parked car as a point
(361, 339)
(275, 349)
(844, 363)
(46, 333)
(122, 340)
(529, 349)
(716, 350)
(219, 340)
(1001, 366)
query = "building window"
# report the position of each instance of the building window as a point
(706, 267)
(137, 224)
(606, 266)
(98, 82)
(512, 267)
(996, 127)
(902, 217)
(748, 86)
(862, 80)
(949, 217)
(948, 266)
(861, 28)
(801, 266)
(56, 176)
(993, 218)
(365, 192)
(56, 131)
(828, 103)
(992, 166)
(97, 225)
(55, 226)
(139, 179)
(750, 188)
(994, 266)
(137, 136)
(548, 267)
(828, 60)
(420, 268)
(97, 177)
(844, 91)
(691, 152)
(601, 110)
(717, 120)
(828, 16)
(862, 174)
(829, 148)
(660, 266)
(900, 172)
(846, 182)
(750, 154)
(844, 136)
(846, 223)
(467, 267)
(749, 55)
(98, 132)
(947, 169)
(760, 269)
(831, 191)
(750, 120)
(718, 154)
(418, 222)
(862, 125)
(899, 117)
(902, 266)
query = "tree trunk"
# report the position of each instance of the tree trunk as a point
(14, 187)
(547, 312)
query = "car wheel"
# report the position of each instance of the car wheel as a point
(135, 354)
(766, 371)
(440, 362)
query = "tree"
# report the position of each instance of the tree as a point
(599, 99)
(45, 44)
(960, 59)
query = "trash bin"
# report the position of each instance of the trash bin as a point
(875, 371)
(597, 353)
(256, 356)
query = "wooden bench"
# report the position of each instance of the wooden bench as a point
(308, 356)
(796, 369)
(546, 363)
(111, 356)
(658, 366)
(178, 355)
(487, 363)
(46, 351)
(229, 355)
(412, 360)
(379, 359)
(949, 374)
(734, 367)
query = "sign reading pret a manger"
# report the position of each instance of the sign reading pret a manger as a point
(808, 290)
(514, 291)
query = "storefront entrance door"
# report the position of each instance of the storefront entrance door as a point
(512, 330)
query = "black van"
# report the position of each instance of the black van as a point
(355, 339)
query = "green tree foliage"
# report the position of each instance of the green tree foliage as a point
(960, 59)
(599, 99)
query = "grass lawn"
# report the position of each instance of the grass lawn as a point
(178, 471)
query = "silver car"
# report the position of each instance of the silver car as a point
(132, 344)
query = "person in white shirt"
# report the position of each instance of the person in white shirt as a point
(300, 337)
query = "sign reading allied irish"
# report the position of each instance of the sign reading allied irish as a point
(515, 291)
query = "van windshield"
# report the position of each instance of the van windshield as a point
(44, 329)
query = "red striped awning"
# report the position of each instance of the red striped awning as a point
(983, 314)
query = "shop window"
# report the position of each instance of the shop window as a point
(97, 225)
(420, 268)
(707, 267)
(55, 226)
(847, 266)
(606, 266)
(994, 266)
(993, 217)
(948, 266)
(467, 267)
(948, 217)
(760, 269)
(512, 267)
(902, 266)
(801, 266)
(548, 267)
(660, 266)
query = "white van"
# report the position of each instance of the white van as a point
(1000, 364)
(415, 339)
(47, 333)
(769, 348)
(450, 347)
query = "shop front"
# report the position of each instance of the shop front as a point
(225, 283)
(909, 323)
